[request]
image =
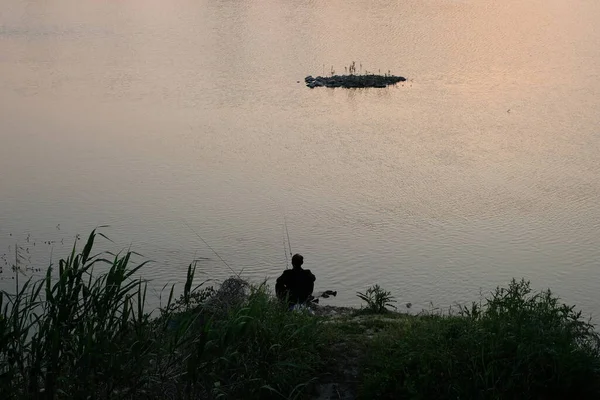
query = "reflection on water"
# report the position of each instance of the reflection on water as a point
(150, 115)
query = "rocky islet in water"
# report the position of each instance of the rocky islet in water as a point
(353, 81)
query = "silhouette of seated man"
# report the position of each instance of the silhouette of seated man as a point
(295, 285)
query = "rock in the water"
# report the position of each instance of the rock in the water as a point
(353, 81)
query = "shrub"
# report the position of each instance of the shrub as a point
(518, 344)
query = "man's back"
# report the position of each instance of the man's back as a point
(297, 284)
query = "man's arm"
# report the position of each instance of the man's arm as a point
(281, 286)
(311, 279)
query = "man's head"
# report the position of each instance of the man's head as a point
(297, 260)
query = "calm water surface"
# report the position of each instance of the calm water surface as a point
(156, 116)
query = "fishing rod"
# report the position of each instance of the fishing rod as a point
(288, 241)
(213, 250)
(287, 261)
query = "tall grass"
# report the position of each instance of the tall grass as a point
(77, 334)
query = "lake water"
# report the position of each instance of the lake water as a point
(160, 118)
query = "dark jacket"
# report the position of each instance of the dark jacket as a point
(297, 284)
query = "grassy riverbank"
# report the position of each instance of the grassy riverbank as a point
(77, 335)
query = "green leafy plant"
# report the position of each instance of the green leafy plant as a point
(517, 344)
(377, 299)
